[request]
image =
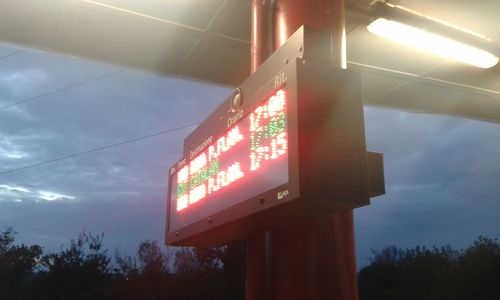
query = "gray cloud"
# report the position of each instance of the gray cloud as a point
(441, 173)
(442, 182)
(120, 191)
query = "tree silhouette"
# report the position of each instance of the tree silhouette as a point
(152, 259)
(84, 271)
(126, 266)
(80, 271)
(479, 269)
(17, 263)
(217, 272)
(437, 273)
(150, 278)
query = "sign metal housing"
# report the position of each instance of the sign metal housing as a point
(288, 146)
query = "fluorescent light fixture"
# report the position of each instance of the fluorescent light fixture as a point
(432, 43)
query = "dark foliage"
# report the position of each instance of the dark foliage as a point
(80, 271)
(84, 270)
(217, 273)
(17, 265)
(437, 273)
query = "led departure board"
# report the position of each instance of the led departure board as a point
(286, 147)
(251, 155)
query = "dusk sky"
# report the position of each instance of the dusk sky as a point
(442, 173)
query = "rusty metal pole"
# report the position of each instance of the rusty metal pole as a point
(260, 30)
(256, 245)
(315, 260)
(327, 15)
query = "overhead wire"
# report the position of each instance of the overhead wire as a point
(72, 155)
(61, 89)
(11, 54)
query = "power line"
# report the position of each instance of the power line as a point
(60, 89)
(38, 164)
(11, 54)
(7, 56)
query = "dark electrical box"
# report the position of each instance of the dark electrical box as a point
(287, 146)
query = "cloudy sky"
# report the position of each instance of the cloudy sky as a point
(442, 173)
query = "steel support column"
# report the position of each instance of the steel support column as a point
(315, 260)
(255, 288)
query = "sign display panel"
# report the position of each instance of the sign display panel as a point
(251, 156)
(288, 146)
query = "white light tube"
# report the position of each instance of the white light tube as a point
(432, 43)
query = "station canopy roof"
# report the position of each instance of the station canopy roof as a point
(209, 40)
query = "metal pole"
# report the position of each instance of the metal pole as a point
(259, 39)
(255, 288)
(315, 260)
